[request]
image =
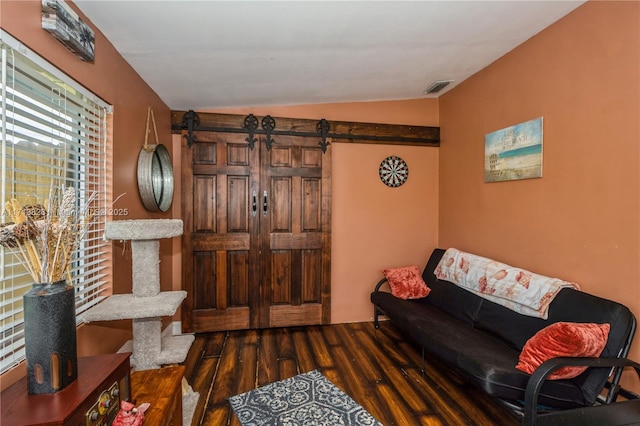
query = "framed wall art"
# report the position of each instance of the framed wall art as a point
(514, 152)
(65, 25)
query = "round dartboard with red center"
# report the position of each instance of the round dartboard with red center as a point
(393, 171)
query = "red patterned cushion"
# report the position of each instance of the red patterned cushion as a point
(406, 282)
(563, 339)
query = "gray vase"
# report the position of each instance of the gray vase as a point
(50, 337)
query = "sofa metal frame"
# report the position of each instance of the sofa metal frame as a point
(609, 412)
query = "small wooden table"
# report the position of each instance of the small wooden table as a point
(97, 376)
(162, 388)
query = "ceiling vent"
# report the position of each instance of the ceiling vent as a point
(437, 86)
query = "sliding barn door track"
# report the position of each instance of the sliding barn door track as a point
(336, 131)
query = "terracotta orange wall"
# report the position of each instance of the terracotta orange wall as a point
(580, 221)
(373, 226)
(111, 78)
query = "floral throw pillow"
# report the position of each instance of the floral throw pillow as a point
(563, 339)
(406, 282)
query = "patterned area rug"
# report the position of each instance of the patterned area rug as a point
(302, 400)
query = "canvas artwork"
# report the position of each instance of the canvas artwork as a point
(65, 25)
(514, 152)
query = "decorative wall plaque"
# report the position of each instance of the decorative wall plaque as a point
(65, 25)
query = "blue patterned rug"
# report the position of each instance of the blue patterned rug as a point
(302, 400)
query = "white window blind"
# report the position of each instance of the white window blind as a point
(54, 133)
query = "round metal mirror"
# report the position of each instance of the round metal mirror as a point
(155, 178)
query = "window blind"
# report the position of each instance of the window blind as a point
(54, 134)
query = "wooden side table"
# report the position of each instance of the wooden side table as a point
(162, 388)
(102, 380)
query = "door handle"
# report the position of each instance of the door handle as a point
(254, 204)
(265, 205)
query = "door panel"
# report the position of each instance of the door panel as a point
(237, 154)
(237, 213)
(280, 277)
(299, 227)
(204, 203)
(256, 246)
(311, 261)
(204, 266)
(218, 173)
(238, 278)
(280, 213)
(280, 156)
(311, 205)
(289, 316)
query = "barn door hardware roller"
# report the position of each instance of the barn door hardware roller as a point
(190, 120)
(323, 129)
(251, 124)
(269, 124)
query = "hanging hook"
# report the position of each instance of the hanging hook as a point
(146, 132)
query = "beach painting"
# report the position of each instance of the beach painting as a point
(514, 152)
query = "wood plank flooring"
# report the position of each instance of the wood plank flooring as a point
(379, 369)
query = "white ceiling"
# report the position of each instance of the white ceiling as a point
(213, 54)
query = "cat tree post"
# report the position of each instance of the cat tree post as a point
(145, 270)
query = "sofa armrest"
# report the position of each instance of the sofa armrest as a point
(539, 376)
(376, 310)
(379, 284)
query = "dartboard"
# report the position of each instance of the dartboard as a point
(393, 171)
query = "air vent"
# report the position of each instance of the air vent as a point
(437, 86)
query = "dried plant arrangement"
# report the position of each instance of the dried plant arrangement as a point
(46, 236)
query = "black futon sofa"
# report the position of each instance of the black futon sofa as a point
(482, 341)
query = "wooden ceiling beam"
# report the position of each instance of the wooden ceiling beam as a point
(338, 132)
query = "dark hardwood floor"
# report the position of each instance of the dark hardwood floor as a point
(379, 369)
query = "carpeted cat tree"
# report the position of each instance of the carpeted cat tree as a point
(146, 305)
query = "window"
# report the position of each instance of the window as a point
(54, 132)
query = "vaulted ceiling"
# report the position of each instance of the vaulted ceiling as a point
(212, 54)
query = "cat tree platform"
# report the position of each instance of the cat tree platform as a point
(143, 229)
(130, 306)
(174, 349)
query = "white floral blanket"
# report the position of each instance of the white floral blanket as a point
(515, 288)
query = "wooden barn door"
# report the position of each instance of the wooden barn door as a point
(295, 235)
(219, 255)
(256, 244)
